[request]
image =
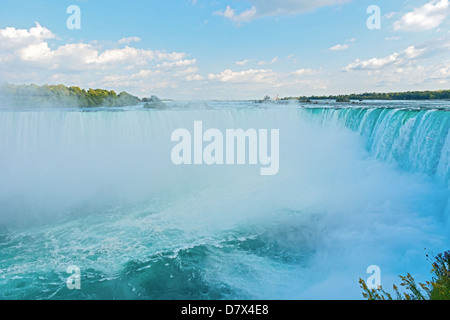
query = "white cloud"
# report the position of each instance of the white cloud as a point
(178, 63)
(194, 77)
(372, 64)
(412, 52)
(27, 56)
(265, 63)
(345, 46)
(427, 17)
(254, 83)
(442, 71)
(243, 62)
(306, 72)
(405, 56)
(414, 76)
(265, 8)
(35, 52)
(129, 40)
(244, 16)
(37, 33)
(34, 55)
(339, 47)
(268, 76)
(12, 38)
(249, 76)
(415, 68)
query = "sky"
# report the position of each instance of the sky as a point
(227, 49)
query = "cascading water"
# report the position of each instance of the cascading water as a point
(97, 189)
(417, 140)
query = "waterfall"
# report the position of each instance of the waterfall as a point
(417, 140)
(97, 189)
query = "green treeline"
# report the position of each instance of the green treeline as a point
(62, 96)
(410, 95)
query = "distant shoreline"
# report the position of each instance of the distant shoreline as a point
(391, 96)
(63, 96)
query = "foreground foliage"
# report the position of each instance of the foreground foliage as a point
(436, 289)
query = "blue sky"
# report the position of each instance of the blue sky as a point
(234, 49)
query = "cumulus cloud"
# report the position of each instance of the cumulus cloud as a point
(412, 52)
(32, 56)
(405, 56)
(252, 82)
(372, 64)
(427, 17)
(415, 67)
(11, 37)
(413, 75)
(263, 76)
(26, 55)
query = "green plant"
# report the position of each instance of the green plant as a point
(441, 281)
(436, 289)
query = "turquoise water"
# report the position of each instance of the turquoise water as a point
(358, 185)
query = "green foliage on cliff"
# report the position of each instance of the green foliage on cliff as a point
(62, 96)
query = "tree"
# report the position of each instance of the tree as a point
(62, 96)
